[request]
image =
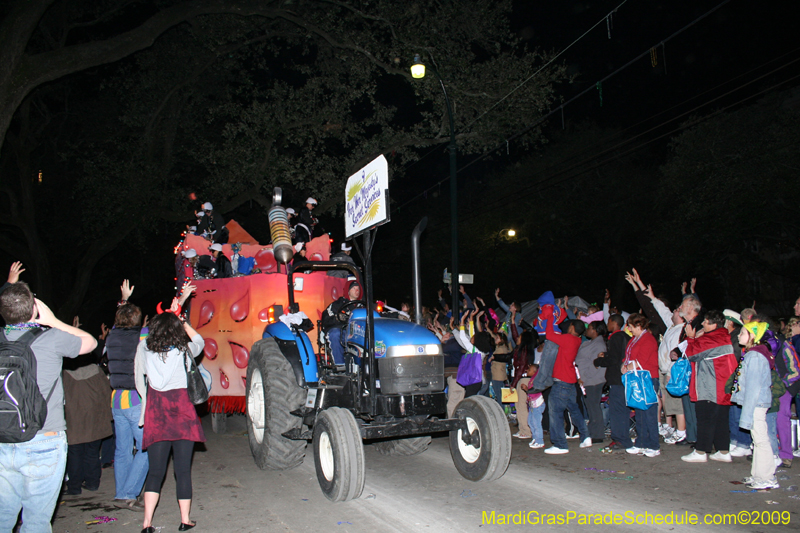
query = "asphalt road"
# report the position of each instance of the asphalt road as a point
(425, 493)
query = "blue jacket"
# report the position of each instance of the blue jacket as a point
(754, 385)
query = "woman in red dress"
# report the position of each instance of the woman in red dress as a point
(170, 419)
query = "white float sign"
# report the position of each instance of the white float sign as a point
(367, 198)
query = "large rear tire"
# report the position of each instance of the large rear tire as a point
(405, 447)
(486, 420)
(339, 455)
(272, 394)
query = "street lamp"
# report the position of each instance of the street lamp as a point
(511, 233)
(418, 71)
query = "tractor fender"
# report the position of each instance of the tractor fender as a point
(296, 348)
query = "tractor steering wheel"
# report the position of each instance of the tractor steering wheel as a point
(348, 308)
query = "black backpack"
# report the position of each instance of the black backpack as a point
(23, 410)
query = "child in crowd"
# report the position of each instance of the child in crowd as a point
(535, 407)
(751, 390)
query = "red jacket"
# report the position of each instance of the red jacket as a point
(645, 351)
(713, 362)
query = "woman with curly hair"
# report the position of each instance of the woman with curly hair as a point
(170, 419)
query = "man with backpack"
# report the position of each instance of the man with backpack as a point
(33, 442)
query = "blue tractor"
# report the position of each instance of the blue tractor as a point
(389, 393)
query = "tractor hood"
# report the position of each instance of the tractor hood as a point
(394, 337)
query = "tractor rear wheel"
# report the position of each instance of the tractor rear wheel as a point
(272, 394)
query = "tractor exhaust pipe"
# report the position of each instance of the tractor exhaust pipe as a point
(417, 276)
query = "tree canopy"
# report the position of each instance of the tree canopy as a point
(135, 103)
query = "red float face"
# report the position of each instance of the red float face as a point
(231, 313)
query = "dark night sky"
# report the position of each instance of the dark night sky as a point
(736, 44)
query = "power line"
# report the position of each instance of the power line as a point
(561, 107)
(529, 78)
(503, 202)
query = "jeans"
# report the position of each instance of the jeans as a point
(562, 397)
(544, 377)
(130, 470)
(772, 432)
(337, 350)
(739, 437)
(31, 474)
(691, 418)
(83, 466)
(620, 416)
(497, 388)
(535, 423)
(595, 412)
(109, 447)
(647, 425)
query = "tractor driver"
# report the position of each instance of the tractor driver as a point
(335, 318)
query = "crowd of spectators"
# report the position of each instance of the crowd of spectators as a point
(567, 364)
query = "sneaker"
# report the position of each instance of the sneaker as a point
(722, 457)
(695, 457)
(778, 461)
(587, 443)
(796, 453)
(577, 435)
(520, 435)
(764, 485)
(651, 453)
(786, 463)
(633, 450)
(535, 445)
(553, 450)
(665, 430)
(748, 480)
(675, 439)
(739, 451)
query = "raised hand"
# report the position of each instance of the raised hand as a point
(103, 332)
(76, 323)
(497, 293)
(14, 272)
(683, 287)
(649, 292)
(126, 289)
(692, 285)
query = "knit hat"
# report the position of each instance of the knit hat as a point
(353, 284)
(756, 329)
(733, 316)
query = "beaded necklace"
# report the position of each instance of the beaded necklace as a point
(22, 326)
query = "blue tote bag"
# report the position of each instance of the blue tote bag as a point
(639, 391)
(679, 376)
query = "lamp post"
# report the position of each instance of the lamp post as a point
(418, 71)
